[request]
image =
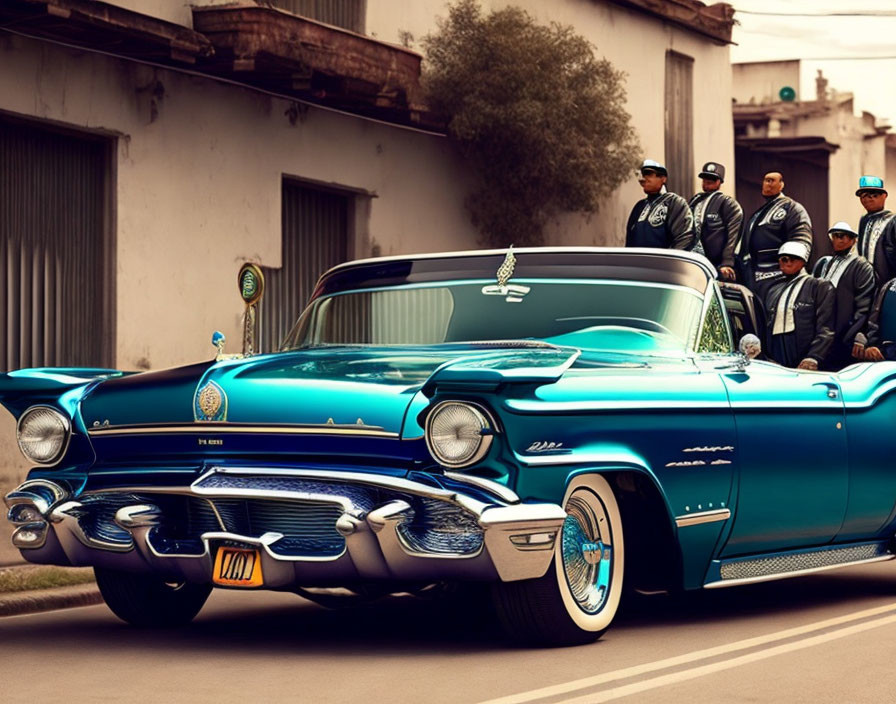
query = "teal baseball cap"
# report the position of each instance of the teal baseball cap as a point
(871, 183)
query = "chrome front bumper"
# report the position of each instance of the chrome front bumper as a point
(382, 537)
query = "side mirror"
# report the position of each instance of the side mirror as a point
(750, 346)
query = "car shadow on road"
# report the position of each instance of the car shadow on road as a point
(856, 588)
(400, 626)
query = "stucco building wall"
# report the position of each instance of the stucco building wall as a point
(636, 43)
(197, 189)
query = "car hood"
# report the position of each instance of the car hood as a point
(369, 387)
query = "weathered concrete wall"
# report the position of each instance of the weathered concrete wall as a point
(759, 82)
(636, 44)
(198, 187)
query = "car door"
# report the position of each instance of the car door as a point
(793, 480)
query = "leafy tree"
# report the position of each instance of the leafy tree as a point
(539, 117)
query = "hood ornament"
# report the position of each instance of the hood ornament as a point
(513, 293)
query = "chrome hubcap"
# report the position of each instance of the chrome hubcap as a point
(587, 552)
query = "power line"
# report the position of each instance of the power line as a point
(854, 13)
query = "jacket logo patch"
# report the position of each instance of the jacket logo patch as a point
(658, 216)
(779, 214)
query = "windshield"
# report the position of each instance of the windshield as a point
(600, 314)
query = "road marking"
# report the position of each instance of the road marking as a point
(636, 670)
(703, 670)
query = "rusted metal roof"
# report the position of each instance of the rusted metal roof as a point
(99, 25)
(714, 21)
(328, 65)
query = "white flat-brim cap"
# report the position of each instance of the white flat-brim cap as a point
(843, 227)
(794, 249)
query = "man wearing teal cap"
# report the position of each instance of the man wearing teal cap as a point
(877, 229)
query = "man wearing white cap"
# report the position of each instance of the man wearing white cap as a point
(800, 312)
(779, 220)
(717, 219)
(852, 277)
(662, 219)
(877, 229)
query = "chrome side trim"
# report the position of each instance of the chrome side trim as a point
(525, 406)
(499, 490)
(796, 573)
(696, 519)
(213, 428)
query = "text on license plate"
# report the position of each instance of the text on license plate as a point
(238, 567)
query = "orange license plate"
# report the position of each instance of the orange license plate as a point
(238, 567)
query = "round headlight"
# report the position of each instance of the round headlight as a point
(457, 434)
(42, 434)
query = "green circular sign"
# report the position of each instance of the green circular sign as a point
(251, 283)
(787, 94)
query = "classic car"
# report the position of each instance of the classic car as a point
(555, 422)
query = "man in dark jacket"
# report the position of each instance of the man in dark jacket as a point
(779, 220)
(881, 330)
(877, 229)
(661, 219)
(852, 277)
(717, 220)
(800, 312)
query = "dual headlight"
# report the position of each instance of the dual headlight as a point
(458, 434)
(43, 434)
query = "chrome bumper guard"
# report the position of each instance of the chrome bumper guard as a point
(517, 540)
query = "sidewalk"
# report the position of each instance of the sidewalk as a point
(26, 588)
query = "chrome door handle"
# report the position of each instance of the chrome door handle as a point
(832, 388)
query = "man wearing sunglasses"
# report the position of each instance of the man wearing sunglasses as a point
(661, 219)
(877, 229)
(717, 220)
(852, 277)
(779, 220)
(800, 312)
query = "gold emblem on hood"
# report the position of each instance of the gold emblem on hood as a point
(210, 403)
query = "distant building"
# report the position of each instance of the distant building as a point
(820, 145)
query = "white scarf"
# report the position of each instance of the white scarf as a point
(837, 266)
(873, 231)
(699, 212)
(786, 304)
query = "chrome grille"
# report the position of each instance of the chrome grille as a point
(440, 527)
(96, 516)
(308, 527)
(761, 567)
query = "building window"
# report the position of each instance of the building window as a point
(348, 14)
(56, 268)
(680, 123)
(317, 224)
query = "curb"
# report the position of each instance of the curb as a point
(16, 603)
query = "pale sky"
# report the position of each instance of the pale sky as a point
(844, 45)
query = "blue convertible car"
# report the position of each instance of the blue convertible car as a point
(556, 422)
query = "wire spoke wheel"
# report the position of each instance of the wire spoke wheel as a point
(576, 600)
(587, 554)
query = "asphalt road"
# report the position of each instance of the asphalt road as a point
(823, 638)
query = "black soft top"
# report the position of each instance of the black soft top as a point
(663, 266)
